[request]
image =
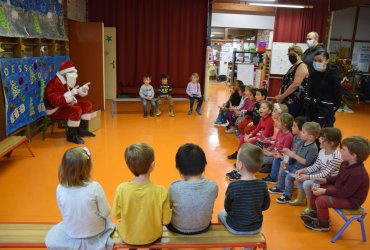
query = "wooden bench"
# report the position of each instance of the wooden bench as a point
(175, 99)
(356, 214)
(10, 143)
(33, 236)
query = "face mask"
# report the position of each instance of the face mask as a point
(293, 59)
(319, 66)
(310, 43)
(71, 79)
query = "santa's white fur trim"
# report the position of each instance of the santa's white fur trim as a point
(73, 124)
(86, 116)
(67, 70)
(51, 111)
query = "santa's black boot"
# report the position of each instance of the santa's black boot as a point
(72, 136)
(82, 130)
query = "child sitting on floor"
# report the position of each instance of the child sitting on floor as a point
(192, 197)
(83, 205)
(305, 155)
(327, 164)
(348, 189)
(233, 101)
(141, 206)
(247, 198)
(194, 93)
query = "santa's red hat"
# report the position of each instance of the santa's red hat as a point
(67, 67)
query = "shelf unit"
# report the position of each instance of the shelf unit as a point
(256, 58)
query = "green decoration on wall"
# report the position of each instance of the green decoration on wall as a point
(3, 21)
(37, 24)
(108, 38)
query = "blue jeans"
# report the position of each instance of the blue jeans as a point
(152, 105)
(222, 116)
(222, 218)
(199, 105)
(287, 176)
(275, 168)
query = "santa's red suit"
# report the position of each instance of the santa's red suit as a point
(60, 103)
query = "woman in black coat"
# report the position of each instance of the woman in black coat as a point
(324, 92)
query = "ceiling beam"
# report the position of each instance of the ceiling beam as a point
(237, 8)
(343, 4)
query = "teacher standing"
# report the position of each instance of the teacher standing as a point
(294, 81)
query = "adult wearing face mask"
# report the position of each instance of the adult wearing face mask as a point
(324, 91)
(313, 47)
(61, 102)
(294, 81)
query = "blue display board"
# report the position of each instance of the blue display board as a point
(23, 82)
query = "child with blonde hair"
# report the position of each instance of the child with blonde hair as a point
(83, 205)
(194, 92)
(147, 95)
(141, 206)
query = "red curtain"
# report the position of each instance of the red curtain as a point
(155, 37)
(292, 25)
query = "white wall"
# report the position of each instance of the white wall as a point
(243, 21)
(363, 29)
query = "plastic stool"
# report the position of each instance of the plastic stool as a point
(357, 214)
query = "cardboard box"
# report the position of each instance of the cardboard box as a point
(95, 122)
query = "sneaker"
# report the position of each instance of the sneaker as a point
(312, 215)
(171, 114)
(268, 179)
(219, 122)
(145, 116)
(230, 130)
(151, 114)
(233, 175)
(190, 112)
(266, 168)
(282, 199)
(238, 133)
(233, 156)
(159, 113)
(276, 190)
(346, 109)
(199, 112)
(317, 225)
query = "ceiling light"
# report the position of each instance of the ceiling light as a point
(282, 5)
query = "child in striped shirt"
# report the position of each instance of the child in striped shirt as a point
(194, 93)
(327, 164)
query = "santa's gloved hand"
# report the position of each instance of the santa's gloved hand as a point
(84, 90)
(74, 91)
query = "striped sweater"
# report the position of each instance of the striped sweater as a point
(325, 165)
(244, 203)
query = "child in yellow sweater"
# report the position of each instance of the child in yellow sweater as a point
(141, 206)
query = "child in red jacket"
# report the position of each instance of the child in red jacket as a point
(346, 190)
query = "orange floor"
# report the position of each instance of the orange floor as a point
(28, 185)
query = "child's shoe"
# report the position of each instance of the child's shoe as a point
(190, 112)
(268, 179)
(199, 112)
(275, 190)
(145, 116)
(317, 225)
(310, 216)
(159, 113)
(230, 130)
(283, 199)
(233, 175)
(171, 113)
(233, 156)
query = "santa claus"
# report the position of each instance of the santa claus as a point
(61, 99)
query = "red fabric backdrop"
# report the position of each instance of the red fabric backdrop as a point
(292, 25)
(155, 37)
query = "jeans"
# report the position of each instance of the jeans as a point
(268, 160)
(222, 116)
(199, 105)
(222, 218)
(275, 168)
(289, 179)
(152, 105)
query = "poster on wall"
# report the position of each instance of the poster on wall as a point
(23, 82)
(32, 19)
